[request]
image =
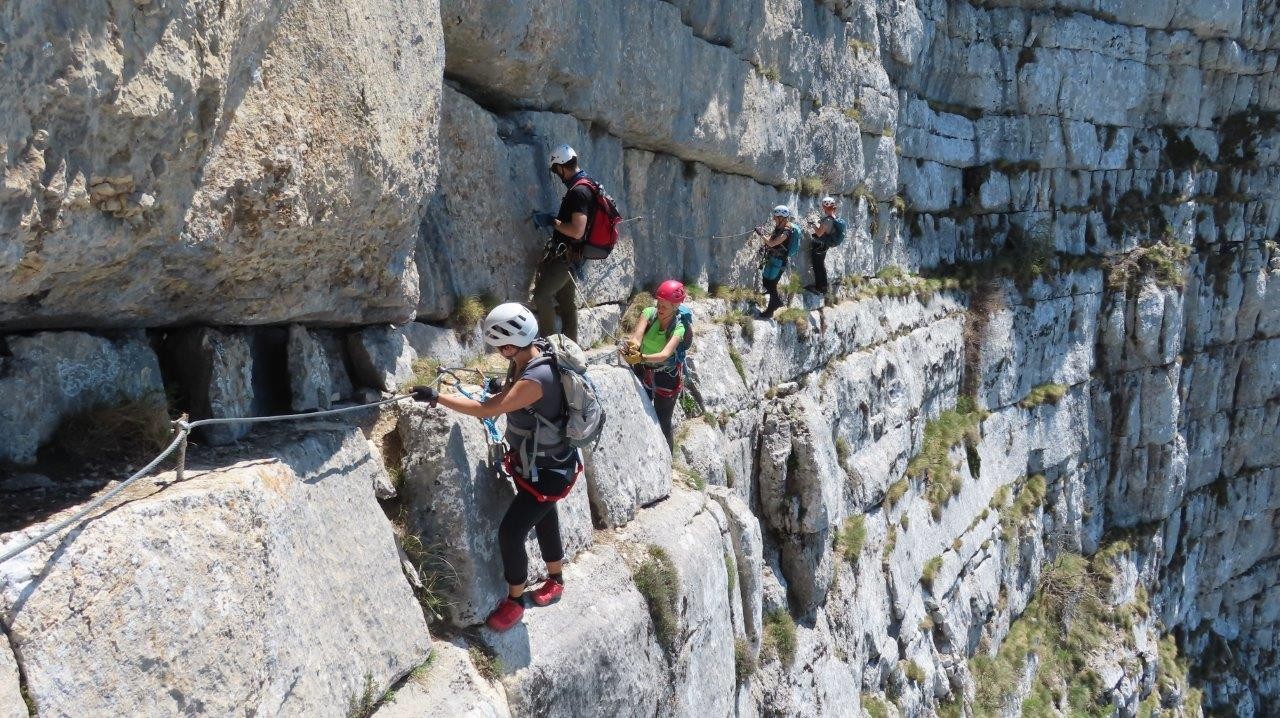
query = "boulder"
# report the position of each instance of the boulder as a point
(49, 376)
(267, 581)
(694, 532)
(454, 499)
(381, 357)
(213, 183)
(440, 343)
(630, 465)
(448, 685)
(317, 369)
(214, 367)
(592, 653)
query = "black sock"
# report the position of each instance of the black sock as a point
(520, 600)
(557, 577)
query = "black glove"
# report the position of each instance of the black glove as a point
(424, 394)
(544, 220)
(493, 385)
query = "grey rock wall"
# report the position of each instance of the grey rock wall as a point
(267, 581)
(168, 163)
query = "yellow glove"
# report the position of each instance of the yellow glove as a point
(632, 358)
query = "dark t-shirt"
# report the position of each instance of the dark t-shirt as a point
(549, 407)
(579, 199)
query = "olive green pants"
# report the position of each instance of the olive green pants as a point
(555, 294)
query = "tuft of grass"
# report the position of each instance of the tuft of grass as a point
(731, 572)
(468, 311)
(895, 493)
(891, 273)
(361, 704)
(422, 670)
(853, 113)
(736, 358)
(933, 463)
(904, 521)
(732, 294)
(811, 185)
(742, 320)
(1043, 394)
(930, 572)
(914, 672)
(487, 664)
(744, 664)
(126, 430)
(852, 537)
(1165, 262)
(770, 73)
(425, 370)
(657, 580)
(860, 46)
(437, 575)
(639, 301)
(797, 317)
(691, 478)
(842, 449)
(899, 204)
(694, 291)
(780, 636)
(890, 542)
(1065, 622)
(875, 706)
(1024, 506)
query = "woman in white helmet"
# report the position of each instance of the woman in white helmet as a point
(532, 390)
(783, 242)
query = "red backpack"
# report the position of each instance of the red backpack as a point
(602, 223)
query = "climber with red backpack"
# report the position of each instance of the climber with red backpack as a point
(552, 411)
(585, 228)
(656, 350)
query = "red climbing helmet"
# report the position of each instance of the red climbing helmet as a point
(671, 291)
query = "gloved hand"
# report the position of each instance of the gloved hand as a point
(425, 394)
(493, 385)
(544, 220)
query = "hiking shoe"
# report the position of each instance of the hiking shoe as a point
(507, 614)
(548, 593)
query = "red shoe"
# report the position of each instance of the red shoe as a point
(507, 614)
(548, 593)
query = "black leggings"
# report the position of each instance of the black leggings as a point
(665, 406)
(527, 512)
(818, 257)
(775, 300)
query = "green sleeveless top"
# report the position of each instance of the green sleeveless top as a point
(655, 339)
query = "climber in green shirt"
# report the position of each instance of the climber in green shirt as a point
(656, 348)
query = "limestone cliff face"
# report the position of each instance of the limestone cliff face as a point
(190, 162)
(1023, 462)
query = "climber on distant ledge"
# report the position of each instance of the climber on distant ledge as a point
(656, 348)
(782, 244)
(542, 463)
(554, 291)
(827, 233)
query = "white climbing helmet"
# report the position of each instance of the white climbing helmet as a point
(782, 211)
(563, 154)
(828, 201)
(510, 323)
